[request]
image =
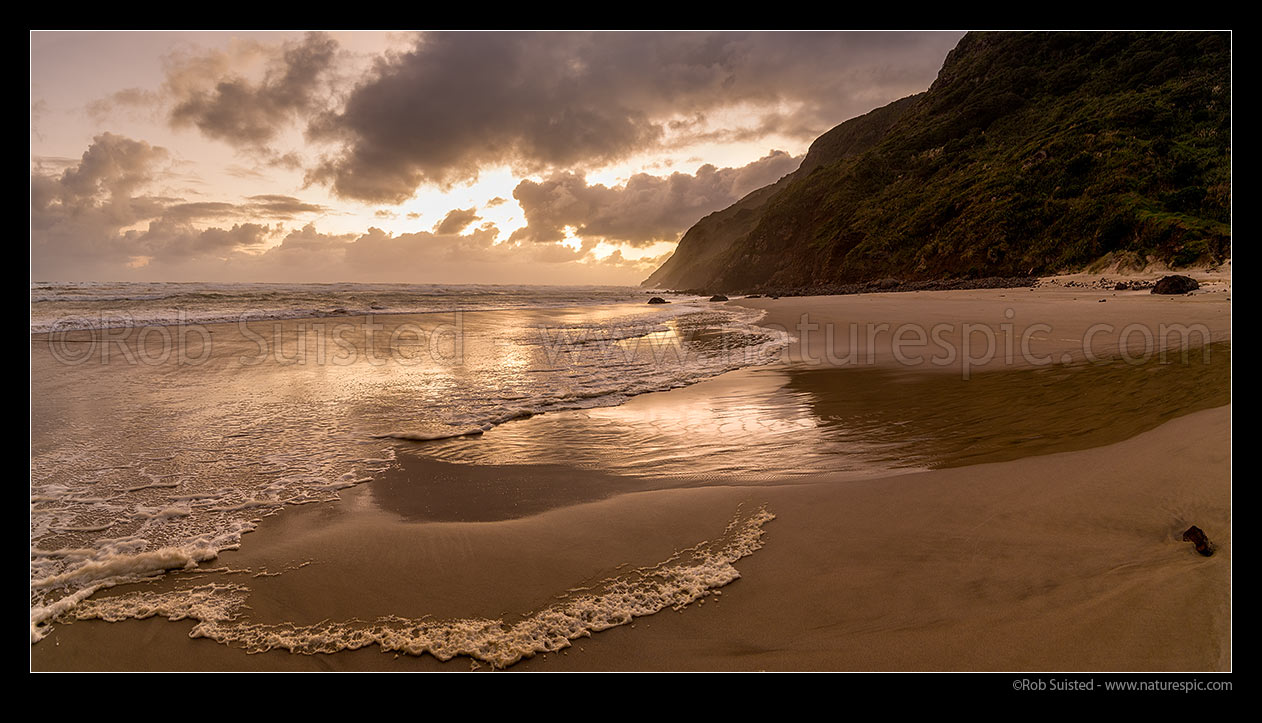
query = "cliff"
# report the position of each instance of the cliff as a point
(1031, 153)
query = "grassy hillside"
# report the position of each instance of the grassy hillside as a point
(1031, 153)
(692, 264)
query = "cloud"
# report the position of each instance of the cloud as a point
(130, 100)
(39, 109)
(97, 219)
(199, 210)
(112, 166)
(249, 174)
(76, 215)
(456, 220)
(280, 207)
(309, 239)
(45, 165)
(168, 240)
(457, 102)
(307, 254)
(269, 206)
(97, 215)
(645, 209)
(231, 108)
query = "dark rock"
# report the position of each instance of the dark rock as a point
(1196, 536)
(1175, 285)
(888, 283)
(658, 300)
(718, 297)
(1102, 301)
(1122, 286)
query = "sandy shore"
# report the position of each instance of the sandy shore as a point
(1064, 561)
(958, 331)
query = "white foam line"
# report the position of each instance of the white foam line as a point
(686, 577)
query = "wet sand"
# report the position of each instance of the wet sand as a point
(1062, 555)
(1070, 561)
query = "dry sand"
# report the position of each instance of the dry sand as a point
(1065, 561)
(1058, 324)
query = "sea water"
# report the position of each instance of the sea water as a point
(169, 418)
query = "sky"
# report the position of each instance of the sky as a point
(445, 157)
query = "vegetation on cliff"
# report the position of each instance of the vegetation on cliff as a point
(1031, 153)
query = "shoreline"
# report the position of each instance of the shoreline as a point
(1063, 561)
(1106, 279)
(988, 329)
(1043, 563)
(1084, 282)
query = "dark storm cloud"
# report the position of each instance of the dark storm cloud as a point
(647, 208)
(459, 101)
(456, 220)
(245, 113)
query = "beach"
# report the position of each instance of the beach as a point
(999, 511)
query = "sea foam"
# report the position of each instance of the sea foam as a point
(144, 469)
(684, 578)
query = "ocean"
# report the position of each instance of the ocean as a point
(168, 419)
